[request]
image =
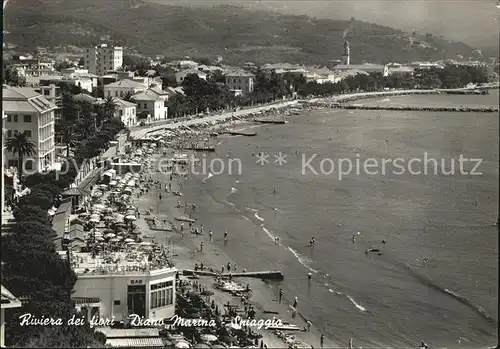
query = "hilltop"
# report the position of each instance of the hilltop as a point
(237, 34)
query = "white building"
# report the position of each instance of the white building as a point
(240, 81)
(320, 75)
(126, 111)
(122, 87)
(119, 289)
(100, 59)
(9, 301)
(180, 76)
(367, 67)
(28, 111)
(152, 104)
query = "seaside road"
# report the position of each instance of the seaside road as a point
(144, 133)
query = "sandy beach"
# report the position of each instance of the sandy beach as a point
(186, 249)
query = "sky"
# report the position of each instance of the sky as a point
(475, 22)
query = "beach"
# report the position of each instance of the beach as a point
(351, 290)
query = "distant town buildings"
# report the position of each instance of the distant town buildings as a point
(240, 81)
(180, 76)
(29, 112)
(103, 58)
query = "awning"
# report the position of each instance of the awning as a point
(86, 301)
(89, 181)
(135, 342)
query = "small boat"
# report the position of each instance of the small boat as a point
(372, 250)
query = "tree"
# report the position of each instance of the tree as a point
(109, 107)
(20, 144)
(12, 78)
(69, 136)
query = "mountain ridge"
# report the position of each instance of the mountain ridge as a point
(237, 34)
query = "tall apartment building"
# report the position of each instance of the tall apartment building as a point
(28, 111)
(101, 59)
(4, 117)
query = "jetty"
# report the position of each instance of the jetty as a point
(268, 121)
(419, 108)
(240, 133)
(264, 275)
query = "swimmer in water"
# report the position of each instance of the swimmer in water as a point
(225, 236)
(354, 238)
(274, 191)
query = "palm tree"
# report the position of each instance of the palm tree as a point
(23, 146)
(68, 136)
(128, 96)
(110, 107)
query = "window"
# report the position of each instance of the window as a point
(116, 303)
(28, 133)
(162, 294)
(46, 92)
(9, 118)
(29, 164)
(27, 118)
(145, 106)
(15, 118)
(12, 163)
(9, 133)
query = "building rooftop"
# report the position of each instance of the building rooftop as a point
(84, 97)
(126, 83)
(239, 73)
(191, 71)
(146, 96)
(25, 100)
(123, 103)
(363, 66)
(9, 300)
(136, 259)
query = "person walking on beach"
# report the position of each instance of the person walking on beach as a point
(309, 324)
(280, 295)
(210, 236)
(225, 236)
(201, 246)
(322, 340)
(295, 302)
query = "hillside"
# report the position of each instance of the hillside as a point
(238, 35)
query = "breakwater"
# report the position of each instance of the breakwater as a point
(418, 108)
(332, 101)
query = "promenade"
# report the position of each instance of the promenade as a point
(146, 132)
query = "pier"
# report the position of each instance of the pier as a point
(418, 108)
(240, 133)
(267, 275)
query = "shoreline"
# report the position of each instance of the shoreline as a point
(185, 249)
(184, 246)
(225, 117)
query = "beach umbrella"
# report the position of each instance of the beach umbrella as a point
(182, 344)
(130, 218)
(129, 240)
(114, 240)
(99, 238)
(94, 220)
(110, 235)
(145, 243)
(97, 233)
(201, 345)
(108, 218)
(209, 338)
